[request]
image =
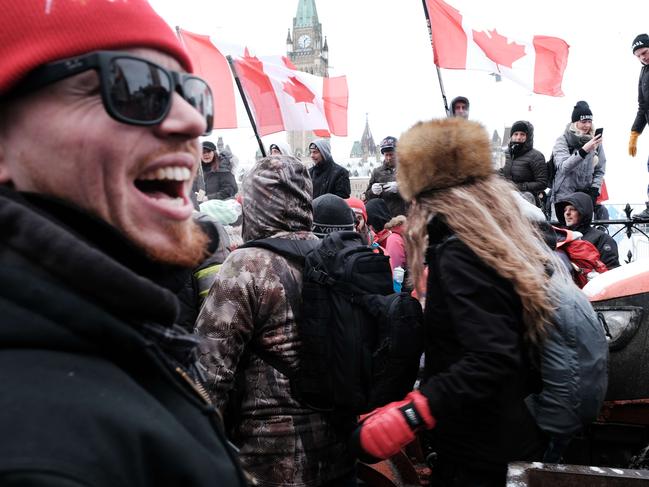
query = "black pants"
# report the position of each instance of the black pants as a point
(449, 474)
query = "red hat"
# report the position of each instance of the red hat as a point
(36, 32)
(358, 206)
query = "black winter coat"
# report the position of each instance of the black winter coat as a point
(642, 117)
(603, 241)
(92, 396)
(526, 169)
(329, 177)
(395, 202)
(220, 184)
(477, 369)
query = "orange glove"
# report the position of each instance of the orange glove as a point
(633, 143)
(386, 430)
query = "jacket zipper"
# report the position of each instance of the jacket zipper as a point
(196, 386)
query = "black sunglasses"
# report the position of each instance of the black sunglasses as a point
(134, 91)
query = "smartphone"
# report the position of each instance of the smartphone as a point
(599, 131)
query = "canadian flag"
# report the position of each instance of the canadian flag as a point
(210, 65)
(280, 96)
(536, 63)
(603, 193)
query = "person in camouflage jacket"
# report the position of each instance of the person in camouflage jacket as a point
(247, 312)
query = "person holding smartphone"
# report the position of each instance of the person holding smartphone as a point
(640, 49)
(579, 158)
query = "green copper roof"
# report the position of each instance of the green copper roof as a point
(307, 14)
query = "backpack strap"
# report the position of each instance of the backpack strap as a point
(294, 250)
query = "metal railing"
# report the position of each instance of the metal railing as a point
(631, 226)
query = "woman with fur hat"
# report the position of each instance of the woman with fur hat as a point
(578, 158)
(524, 165)
(486, 308)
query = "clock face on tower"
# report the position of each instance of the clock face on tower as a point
(304, 41)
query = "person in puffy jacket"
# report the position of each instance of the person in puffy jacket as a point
(579, 157)
(524, 165)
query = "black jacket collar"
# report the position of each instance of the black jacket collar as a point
(89, 255)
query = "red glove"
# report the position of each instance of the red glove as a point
(386, 430)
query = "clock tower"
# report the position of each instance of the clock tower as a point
(309, 52)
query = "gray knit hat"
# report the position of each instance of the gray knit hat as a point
(331, 213)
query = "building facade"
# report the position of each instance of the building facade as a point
(308, 51)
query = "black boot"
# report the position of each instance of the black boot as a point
(644, 214)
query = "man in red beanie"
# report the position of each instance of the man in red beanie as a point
(101, 388)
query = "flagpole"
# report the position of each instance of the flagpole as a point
(439, 71)
(245, 104)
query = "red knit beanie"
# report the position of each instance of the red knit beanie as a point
(36, 32)
(358, 206)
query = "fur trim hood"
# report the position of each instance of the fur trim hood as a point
(397, 221)
(441, 154)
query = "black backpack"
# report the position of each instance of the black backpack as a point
(552, 168)
(360, 342)
(552, 171)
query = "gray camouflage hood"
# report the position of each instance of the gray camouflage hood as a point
(277, 195)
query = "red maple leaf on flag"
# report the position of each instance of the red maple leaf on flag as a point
(252, 69)
(299, 91)
(497, 48)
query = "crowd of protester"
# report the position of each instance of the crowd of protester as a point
(145, 343)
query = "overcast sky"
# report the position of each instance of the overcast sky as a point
(383, 48)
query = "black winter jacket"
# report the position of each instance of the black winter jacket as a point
(604, 242)
(395, 202)
(477, 369)
(642, 117)
(327, 176)
(220, 184)
(525, 166)
(94, 394)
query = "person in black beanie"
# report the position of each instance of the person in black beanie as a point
(378, 215)
(524, 165)
(579, 159)
(331, 213)
(640, 48)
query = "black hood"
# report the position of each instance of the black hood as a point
(582, 203)
(378, 213)
(517, 149)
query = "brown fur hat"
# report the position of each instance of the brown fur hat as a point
(441, 154)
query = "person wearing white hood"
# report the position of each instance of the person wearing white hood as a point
(279, 149)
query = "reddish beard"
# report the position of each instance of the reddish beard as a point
(190, 249)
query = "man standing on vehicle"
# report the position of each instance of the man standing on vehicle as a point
(100, 387)
(640, 49)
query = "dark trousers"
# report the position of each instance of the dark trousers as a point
(449, 474)
(346, 481)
